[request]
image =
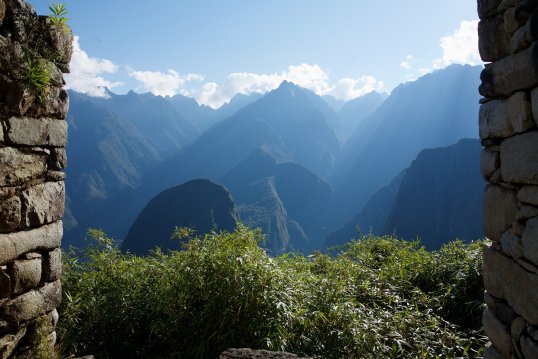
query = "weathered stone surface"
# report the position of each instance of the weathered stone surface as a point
(529, 347)
(528, 194)
(510, 74)
(55, 176)
(2, 11)
(489, 162)
(43, 203)
(511, 244)
(54, 105)
(526, 212)
(5, 284)
(500, 309)
(245, 353)
(532, 29)
(16, 97)
(519, 39)
(500, 210)
(519, 158)
(530, 240)
(57, 159)
(511, 21)
(52, 265)
(37, 132)
(24, 275)
(517, 328)
(487, 8)
(532, 331)
(9, 342)
(503, 118)
(47, 237)
(12, 54)
(493, 40)
(10, 214)
(534, 100)
(491, 353)
(17, 167)
(498, 333)
(506, 279)
(33, 303)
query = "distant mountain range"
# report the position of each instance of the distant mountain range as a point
(280, 154)
(436, 110)
(437, 199)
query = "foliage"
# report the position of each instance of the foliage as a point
(57, 15)
(38, 76)
(374, 298)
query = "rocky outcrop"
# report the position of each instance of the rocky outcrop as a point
(33, 133)
(200, 205)
(508, 119)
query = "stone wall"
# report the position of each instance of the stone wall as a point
(508, 33)
(33, 133)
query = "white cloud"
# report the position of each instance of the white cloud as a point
(163, 83)
(406, 64)
(85, 73)
(312, 77)
(461, 47)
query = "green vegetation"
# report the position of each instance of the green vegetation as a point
(375, 298)
(38, 76)
(57, 15)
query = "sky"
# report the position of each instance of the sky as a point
(213, 49)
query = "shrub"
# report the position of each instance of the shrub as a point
(376, 297)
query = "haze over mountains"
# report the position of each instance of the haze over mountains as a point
(294, 165)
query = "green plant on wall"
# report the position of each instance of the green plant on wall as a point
(57, 14)
(38, 76)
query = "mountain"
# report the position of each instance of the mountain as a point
(354, 111)
(162, 125)
(107, 154)
(204, 116)
(438, 198)
(200, 204)
(293, 206)
(333, 102)
(434, 111)
(288, 123)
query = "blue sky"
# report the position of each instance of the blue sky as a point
(213, 49)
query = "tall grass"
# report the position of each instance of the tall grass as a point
(375, 298)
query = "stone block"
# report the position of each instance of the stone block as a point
(43, 204)
(37, 132)
(528, 194)
(529, 347)
(8, 343)
(503, 118)
(493, 40)
(24, 274)
(534, 100)
(32, 304)
(505, 279)
(17, 167)
(5, 284)
(511, 244)
(487, 8)
(519, 39)
(10, 214)
(500, 309)
(498, 333)
(510, 74)
(529, 240)
(58, 159)
(517, 328)
(52, 265)
(526, 212)
(13, 245)
(54, 105)
(500, 210)
(492, 353)
(512, 21)
(489, 162)
(519, 158)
